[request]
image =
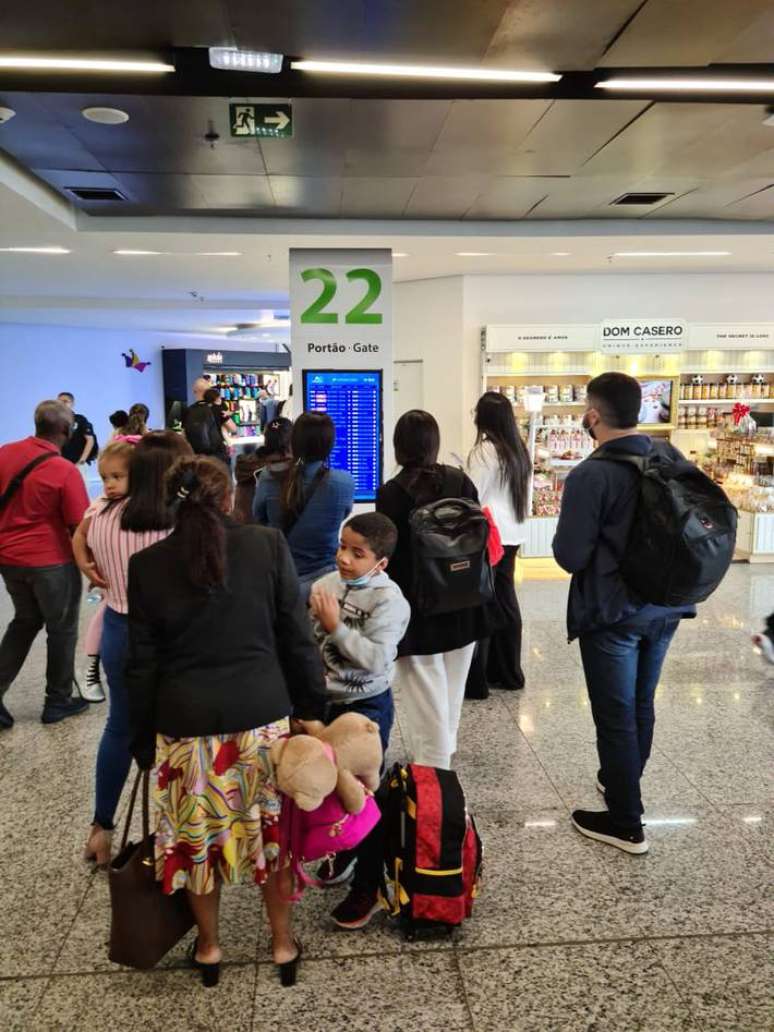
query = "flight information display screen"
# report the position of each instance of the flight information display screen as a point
(353, 400)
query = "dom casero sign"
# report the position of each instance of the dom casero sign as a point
(656, 336)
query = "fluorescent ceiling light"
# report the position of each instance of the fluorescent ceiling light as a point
(400, 254)
(422, 71)
(232, 60)
(689, 85)
(35, 250)
(671, 254)
(560, 254)
(127, 253)
(83, 64)
(474, 254)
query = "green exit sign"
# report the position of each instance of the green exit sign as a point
(270, 120)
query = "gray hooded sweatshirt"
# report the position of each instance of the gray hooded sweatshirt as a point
(359, 656)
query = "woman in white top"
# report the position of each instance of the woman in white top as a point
(500, 467)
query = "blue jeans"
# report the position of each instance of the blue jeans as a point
(622, 664)
(379, 708)
(113, 756)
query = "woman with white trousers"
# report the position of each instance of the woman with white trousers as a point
(435, 655)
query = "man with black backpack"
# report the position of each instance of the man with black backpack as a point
(645, 535)
(202, 427)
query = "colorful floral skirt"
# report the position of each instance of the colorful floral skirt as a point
(219, 809)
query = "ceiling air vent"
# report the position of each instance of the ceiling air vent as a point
(641, 198)
(95, 193)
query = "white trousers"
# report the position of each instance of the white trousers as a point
(432, 689)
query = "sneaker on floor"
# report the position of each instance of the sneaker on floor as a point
(598, 825)
(356, 910)
(92, 690)
(54, 712)
(764, 646)
(6, 720)
(337, 869)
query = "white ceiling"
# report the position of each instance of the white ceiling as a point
(179, 291)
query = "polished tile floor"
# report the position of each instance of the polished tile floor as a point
(567, 935)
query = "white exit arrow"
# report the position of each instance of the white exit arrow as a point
(281, 121)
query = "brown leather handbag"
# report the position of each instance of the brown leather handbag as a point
(145, 923)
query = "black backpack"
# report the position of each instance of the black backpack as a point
(202, 431)
(683, 536)
(450, 557)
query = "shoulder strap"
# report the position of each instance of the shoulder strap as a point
(291, 519)
(16, 481)
(639, 462)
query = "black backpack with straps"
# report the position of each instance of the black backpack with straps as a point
(18, 478)
(683, 535)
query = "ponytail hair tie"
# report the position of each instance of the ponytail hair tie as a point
(188, 482)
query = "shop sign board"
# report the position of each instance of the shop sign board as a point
(341, 350)
(270, 120)
(729, 336)
(540, 337)
(643, 336)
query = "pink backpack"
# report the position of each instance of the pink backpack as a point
(309, 835)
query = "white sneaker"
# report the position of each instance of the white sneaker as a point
(92, 690)
(764, 646)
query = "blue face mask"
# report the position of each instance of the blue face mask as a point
(360, 582)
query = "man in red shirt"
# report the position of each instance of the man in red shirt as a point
(36, 558)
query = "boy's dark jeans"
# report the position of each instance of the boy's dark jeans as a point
(622, 664)
(42, 595)
(370, 852)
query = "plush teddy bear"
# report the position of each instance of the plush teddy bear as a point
(358, 749)
(304, 770)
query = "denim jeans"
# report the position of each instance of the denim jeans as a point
(113, 756)
(622, 664)
(42, 595)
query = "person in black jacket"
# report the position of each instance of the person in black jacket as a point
(435, 654)
(220, 655)
(623, 642)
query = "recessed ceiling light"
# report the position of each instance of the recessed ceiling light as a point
(233, 60)
(670, 254)
(83, 64)
(400, 254)
(560, 254)
(423, 71)
(473, 254)
(217, 254)
(35, 250)
(105, 115)
(128, 253)
(689, 85)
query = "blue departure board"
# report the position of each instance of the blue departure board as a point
(353, 400)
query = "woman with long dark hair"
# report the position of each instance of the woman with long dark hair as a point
(499, 465)
(435, 654)
(112, 534)
(309, 501)
(274, 455)
(220, 651)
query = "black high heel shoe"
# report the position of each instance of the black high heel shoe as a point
(289, 970)
(210, 972)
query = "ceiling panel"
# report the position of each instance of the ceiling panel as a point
(759, 205)
(481, 135)
(755, 44)
(684, 32)
(509, 197)
(437, 197)
(90, 25)
(569, 133)
(235, 192)
(306, 195)
(375, 198)
(392, 138)
(557, 35)
(592, 197)
(711, 197)
(319, 141)
(451, 30)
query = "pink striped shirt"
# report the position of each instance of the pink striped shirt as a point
(113, 547)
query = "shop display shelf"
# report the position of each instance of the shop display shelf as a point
(730, 402)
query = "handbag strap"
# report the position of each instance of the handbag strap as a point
(144, 777)
(291, 519)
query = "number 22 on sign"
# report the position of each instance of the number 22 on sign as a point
(359, 313)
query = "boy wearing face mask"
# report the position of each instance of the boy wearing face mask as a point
(359, 616)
